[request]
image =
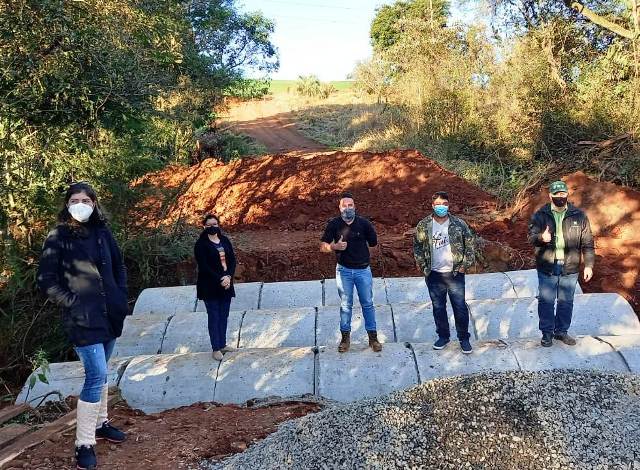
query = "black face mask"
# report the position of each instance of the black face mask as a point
(212, 231)
(559, 201)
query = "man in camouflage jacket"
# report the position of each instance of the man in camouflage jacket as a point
(445, 248)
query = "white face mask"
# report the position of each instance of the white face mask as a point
(80, 211)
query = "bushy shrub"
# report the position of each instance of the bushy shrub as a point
(312, 87)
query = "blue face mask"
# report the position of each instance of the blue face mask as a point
(348, 214)
(441, 210)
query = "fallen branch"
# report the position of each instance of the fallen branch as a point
(605, 143)
(12, 411)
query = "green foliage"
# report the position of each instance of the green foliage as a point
(103, 91)
(312, 87)
(152, 255)
(249, 89)
(373, 77)
(390, 22)
(496, 109)
(289, 86)
(39, 361)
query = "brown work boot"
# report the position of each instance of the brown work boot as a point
(345, 342)
(565, 338)
(373, 341)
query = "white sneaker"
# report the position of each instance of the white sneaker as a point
(227, 349)
(217, 355)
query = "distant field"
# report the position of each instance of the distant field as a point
(281, 86)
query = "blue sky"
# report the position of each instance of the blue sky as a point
(321, 37)
(324, 38)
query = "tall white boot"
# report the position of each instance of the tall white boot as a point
(102, 413)
(87, 414)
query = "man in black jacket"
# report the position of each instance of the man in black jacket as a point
(561, 235)
(350, 237)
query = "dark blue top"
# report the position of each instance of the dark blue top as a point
(359, 235)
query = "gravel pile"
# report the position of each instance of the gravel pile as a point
(555, 419)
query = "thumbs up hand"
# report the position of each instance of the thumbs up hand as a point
(546, 235)
(340, 245)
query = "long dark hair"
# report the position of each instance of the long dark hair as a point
(97, 216)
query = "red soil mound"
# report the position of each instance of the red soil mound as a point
(275, 208)
(288, 192)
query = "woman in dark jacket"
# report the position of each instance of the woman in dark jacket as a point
(82, 270)
(216, 267)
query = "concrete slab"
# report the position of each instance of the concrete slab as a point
(488, 286)
(291, 294)
(505, 318)
(261, 373)
(160, 382)
(67, 378)
(188, 332)
(168, 300)
(361, 373)
(407, 289)
(589, 353)
(247, 297)
(279, 328)
(328, 326)
(593, 314)
(331, 297)
(487, 356)
(141, 334)
(525, 282)
(414, 322)
(629, 347)
(603, 314)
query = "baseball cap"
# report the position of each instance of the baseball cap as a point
(558, 187)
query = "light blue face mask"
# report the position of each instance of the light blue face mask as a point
(348, 214)
(441, 210)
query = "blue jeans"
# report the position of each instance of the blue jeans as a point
(439, 284)
(94, 358)
(218, 313)
(346, 279)
(550, 287)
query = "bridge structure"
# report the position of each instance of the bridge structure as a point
(286, 335)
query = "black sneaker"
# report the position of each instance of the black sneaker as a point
(86, 458)
(465, 345)
(111, 434)
(547, 340)
(441, 343)
(565, 338)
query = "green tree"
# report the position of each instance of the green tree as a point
(102, 90)
(389, 22)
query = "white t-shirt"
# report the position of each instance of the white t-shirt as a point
(441, 256)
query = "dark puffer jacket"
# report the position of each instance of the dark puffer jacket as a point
(578, 240)
(91, 288)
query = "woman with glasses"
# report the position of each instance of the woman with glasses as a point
(82, 271)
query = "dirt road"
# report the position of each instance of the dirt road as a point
(269, 125)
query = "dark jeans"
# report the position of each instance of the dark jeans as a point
(218, 313)
(550, 287)
(439, 285)
(94, 358)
